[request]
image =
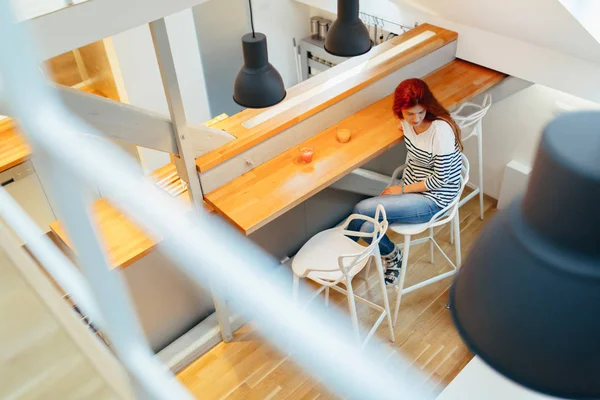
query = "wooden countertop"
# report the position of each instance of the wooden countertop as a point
(375, 69)
(264, 193)
(124, 241)
(13, 148)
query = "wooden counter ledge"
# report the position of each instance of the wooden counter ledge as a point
(269, 190)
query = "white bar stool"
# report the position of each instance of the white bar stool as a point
(447, 215)
(472, 124)
(330, 258)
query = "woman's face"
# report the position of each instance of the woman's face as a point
(414, 115)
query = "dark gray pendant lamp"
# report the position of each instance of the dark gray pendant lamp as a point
(258, 84)
(527, 299)
(348, 36)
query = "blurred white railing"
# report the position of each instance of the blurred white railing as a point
(205, 248)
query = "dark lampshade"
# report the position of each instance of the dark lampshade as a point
(258, 84)
(348, 36)
(527, 299)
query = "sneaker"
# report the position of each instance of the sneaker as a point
(392, 263)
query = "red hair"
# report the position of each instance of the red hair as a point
(415, 92)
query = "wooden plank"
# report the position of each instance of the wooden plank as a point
(262, 194)
(134, 125)
(216, 119)
(98, 69)
(368, 74)
(64, 70)
(120, 121)
(13, 148)
(160, 39)
(93, 66)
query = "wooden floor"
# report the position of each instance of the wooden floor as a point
(249, 368)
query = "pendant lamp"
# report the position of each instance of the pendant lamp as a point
(348, 36)
(258, 84)
(527, 298)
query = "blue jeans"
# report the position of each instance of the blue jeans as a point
(410, 208)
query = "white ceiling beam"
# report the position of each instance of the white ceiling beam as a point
(81, 24)
(121, 121)
(137, 126)
(204, 139)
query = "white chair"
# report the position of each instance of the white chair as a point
(330, 258)
(471, 125)
(444, 216)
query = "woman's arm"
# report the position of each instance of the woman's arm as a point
(417, 187)
(398, 189)
(444, 146)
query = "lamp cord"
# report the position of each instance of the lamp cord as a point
(251, 17)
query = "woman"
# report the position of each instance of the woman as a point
(432, 175)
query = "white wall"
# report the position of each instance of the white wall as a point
(141, 76)
(512, 130)
(281, 21)
(221, 25)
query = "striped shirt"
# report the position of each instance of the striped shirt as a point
(434, 157)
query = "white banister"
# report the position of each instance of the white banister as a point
(55, 262)
(205, 248)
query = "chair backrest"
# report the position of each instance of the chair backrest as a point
(474, 118)
(448, 212)
(347, 262)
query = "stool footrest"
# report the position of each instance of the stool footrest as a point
(428, 282)
(469, 197)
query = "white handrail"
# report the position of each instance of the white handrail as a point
(56, 263)
(197, 242)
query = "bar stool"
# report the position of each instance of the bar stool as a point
(330, 258)
(448, 214)
(474, 122)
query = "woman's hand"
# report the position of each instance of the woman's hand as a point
(392, 190)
